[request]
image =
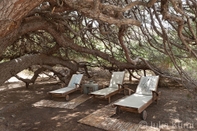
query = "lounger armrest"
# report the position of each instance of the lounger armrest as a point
(104, 86)
(156, 94)
(129, 90)
(119, 85)
(77, 85)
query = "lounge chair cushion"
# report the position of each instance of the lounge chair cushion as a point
(61, 90)
(117, 78)
(75, 79)
(147, 84)
(104, 92)
(134, 101)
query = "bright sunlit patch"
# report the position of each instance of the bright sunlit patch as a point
(58, 124)
(173, 109)
(37, 123)
(56, 117)
(176, 120)
(63, 111)
(74, 114)
(171, 102)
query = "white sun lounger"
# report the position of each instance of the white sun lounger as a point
(114, 87)
(73, 86)
(145, 94)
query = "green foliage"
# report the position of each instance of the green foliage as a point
(32, 43)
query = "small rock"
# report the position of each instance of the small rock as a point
(2, 119)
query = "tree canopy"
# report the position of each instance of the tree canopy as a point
(157, 35)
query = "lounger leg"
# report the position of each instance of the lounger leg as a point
(156, 100)
(93, 98)
(51, 96)
(124, 92)
(81, 90)
(129, 91)
(67, 97)
(144, 115)
(117, 110)
(109, 99)
(157, 97)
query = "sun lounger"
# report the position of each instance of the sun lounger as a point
(114, 87)
(146, 93)
(73, 86)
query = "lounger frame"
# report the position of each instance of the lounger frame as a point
(115, 87)
(74, 85)
(155, 95)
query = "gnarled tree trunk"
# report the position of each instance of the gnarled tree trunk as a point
(9, 69)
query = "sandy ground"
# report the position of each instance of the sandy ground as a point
(175, 110)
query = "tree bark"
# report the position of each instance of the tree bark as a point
(12, 12)
(9, 69)
(41, 24)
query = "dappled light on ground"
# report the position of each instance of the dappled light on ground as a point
(174, 110)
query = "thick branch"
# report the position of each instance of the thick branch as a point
(12, 12)
(8, 69)
(32, 80)
(98, 15)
